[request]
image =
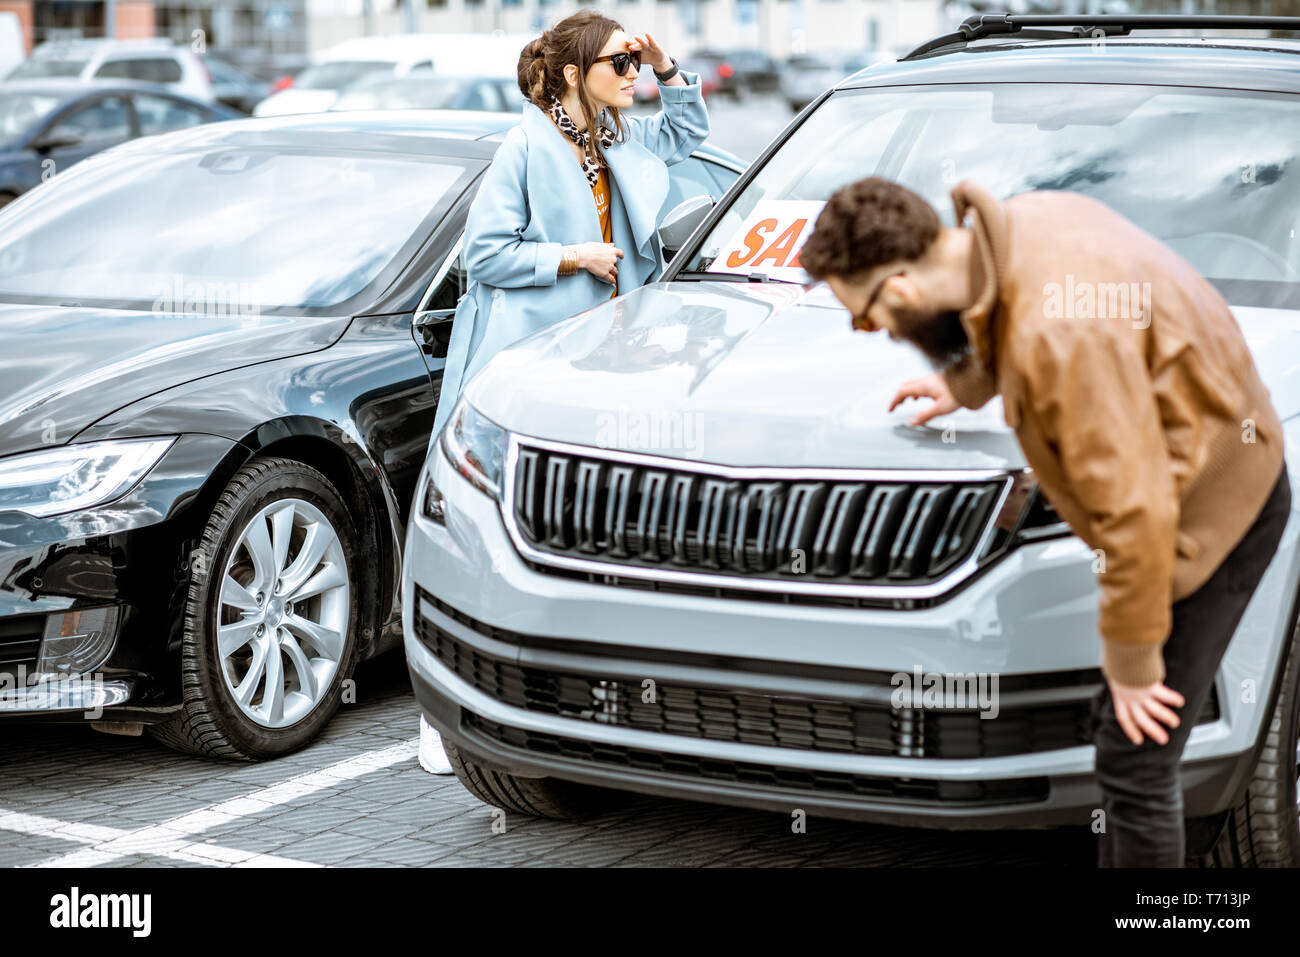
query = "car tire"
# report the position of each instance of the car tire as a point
(535, 797)
(6, 199)
(306, 642)
(1263, 828)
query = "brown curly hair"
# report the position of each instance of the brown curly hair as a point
(577, 39)
(867, 224)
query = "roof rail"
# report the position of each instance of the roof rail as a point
(1072, 26)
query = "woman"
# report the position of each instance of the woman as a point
(567, 212)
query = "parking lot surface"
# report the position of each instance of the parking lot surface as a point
(358, 798)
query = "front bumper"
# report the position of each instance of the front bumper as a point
(128, 556)
(480, 625)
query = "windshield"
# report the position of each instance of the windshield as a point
(19, 112)
(1214, 175)
(38, 68)
(284, 232)
(338, 74)
(391, 94)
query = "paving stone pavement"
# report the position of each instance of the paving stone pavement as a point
(67, 790)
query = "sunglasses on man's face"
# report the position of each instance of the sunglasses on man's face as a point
(621, 61)
(860, 320)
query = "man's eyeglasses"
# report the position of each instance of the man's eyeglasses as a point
(621, 61)
(859, 320)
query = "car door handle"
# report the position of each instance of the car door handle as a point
(433, 331)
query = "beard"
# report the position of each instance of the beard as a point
(939, 335)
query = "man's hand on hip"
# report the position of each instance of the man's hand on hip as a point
(1141, 710)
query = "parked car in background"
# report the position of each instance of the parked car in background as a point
(234, 87)
(717, 75)
(756, 71)
(220, 354)
(807, 76)
(320, 85)
(491, 94)
(645, 88)
(277, 70)
(679, 545)
(155, 60)
(48, 125)
(738, 73)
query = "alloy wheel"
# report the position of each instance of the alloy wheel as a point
(284, 606)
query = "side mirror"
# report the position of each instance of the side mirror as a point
(682, 220)
(57, 138)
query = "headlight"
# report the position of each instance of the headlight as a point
(74, 477)
(476, 446)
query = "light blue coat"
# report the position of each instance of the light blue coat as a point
(533, 201)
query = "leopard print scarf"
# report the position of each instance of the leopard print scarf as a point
(590, 165)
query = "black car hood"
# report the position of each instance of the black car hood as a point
(62, 368)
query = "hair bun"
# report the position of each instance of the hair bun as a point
(531, 71)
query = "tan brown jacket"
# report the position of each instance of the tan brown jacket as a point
(1137, 406)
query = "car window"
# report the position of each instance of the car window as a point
(223, 72)
(481, 96)
(277, 232)
(722, 176)
(337, 74)
(158, 114)
(453, 283)
(39, 67)
(1214, 174)
(99, 124)
(149, 69)
(20, 112)
(687, 179)
(512, 100)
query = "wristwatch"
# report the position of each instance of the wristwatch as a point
(667, 75)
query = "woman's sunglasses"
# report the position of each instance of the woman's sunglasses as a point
(621, 61)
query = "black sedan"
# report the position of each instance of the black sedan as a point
(49, 124)
(220, 352)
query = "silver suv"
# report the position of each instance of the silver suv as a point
(677, 545)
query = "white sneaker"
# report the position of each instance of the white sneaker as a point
(432, 756)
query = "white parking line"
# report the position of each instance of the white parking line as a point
(106, 847)
(173, 838)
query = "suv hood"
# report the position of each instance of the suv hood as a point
(758, 374)
(62, 368)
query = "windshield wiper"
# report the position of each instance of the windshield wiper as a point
(731, 277)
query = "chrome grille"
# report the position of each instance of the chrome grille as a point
(580, 508)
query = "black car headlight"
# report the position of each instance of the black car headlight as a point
(476, 447)
(75, 477)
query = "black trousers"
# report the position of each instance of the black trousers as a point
(1142, 795)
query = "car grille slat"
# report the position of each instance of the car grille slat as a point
(616, 510)
(557, 507)
(854, 532)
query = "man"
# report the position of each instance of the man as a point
(1137, 405)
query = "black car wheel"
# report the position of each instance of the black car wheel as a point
(270, 618)
(1263, 828)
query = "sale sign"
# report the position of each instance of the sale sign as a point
(769, 240)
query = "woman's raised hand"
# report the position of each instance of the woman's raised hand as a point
(600, 259)
(651, 52)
